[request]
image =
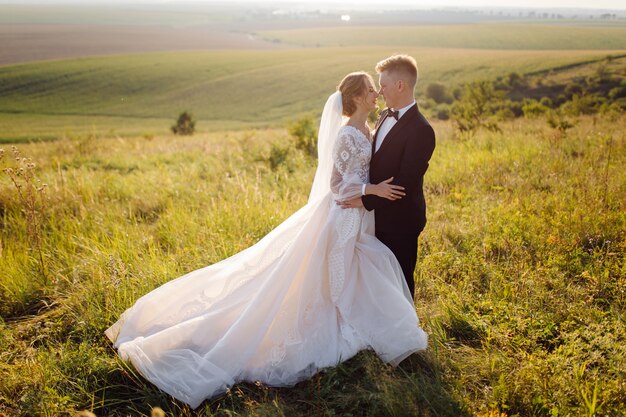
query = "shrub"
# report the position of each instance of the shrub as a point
(305, 134)
(574, 89)
(278, 155)
(505, 113)
(533, 108)
(583, 104)
(515, 80)
(185, 125)
(514, 107)
(443, 113)
(557, 121)
(546, 101)
(476, 108)
(438, 93)
(617, 92)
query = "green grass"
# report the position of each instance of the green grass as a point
(135, 94)
(520, 282)
(506, 36)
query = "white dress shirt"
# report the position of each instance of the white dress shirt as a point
(388, 123)
(385, 127)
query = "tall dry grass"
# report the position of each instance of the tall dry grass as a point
(520, 282)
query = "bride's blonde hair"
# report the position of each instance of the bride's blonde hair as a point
(352, 86)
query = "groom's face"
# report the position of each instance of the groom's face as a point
(388, 89)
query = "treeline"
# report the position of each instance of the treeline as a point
(485, 103)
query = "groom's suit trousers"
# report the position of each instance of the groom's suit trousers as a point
(404, 246)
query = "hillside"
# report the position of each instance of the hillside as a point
(508, 36)
(135, 94)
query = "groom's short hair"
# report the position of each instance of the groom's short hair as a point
(400, 64)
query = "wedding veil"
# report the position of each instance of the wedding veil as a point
(330, 124)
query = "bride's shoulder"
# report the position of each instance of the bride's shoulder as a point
(352, 132)
(347, 130)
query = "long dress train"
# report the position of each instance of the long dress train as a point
(309, 295)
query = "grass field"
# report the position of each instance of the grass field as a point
(115, 14)
(520, 281)
(28, 43)
(522, 270)
(512, 35)
(135, 94)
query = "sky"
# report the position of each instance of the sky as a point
(586, 4)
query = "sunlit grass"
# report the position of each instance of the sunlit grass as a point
(520, 281)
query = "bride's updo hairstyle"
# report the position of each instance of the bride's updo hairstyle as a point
(351, 87)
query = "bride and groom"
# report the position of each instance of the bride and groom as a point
(334, 278)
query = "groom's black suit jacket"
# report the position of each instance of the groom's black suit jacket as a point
(404, 155)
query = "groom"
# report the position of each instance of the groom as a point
(403, 144)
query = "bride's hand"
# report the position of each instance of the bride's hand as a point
(386, 190)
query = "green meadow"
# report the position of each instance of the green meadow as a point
(521, 272)
(143, 94)
(507, 36)
(520, 283)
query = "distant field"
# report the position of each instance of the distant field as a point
(115, 14)
(132, 94)
(25, 43)
(518, 36)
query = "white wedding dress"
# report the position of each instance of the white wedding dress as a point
(312, 293)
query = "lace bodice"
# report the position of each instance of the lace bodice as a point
(351, 157)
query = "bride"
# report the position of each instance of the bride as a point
(312, 293)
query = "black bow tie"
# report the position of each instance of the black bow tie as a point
(393, 113)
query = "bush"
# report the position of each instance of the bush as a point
(574, 89)
(585, 104)
(557, 121)
(546, 101)
(533, 108)
(514, 107)
(438, 93)
(305, 133)
(477, 107)
(617, 92)
(185, 125)
(515, 80)
(505, 113)
(278, 155)
(443, 113)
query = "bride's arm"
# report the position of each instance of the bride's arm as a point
(345, 182)
(347, 176)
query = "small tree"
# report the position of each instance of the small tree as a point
(185, 125)
(477, 108)
(305, 133)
